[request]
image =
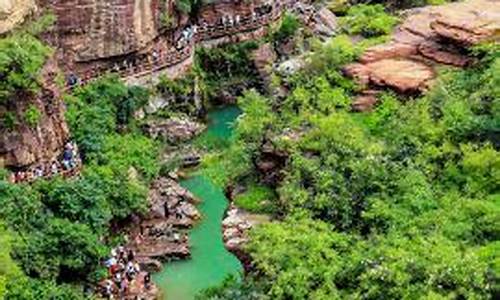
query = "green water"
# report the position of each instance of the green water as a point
(210, 262)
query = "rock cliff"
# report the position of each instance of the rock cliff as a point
(95, 36)
(25, 144)
(13, 12)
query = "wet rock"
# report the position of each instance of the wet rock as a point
(174, 130)
(149, 265)
(235, 228)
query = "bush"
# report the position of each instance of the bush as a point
(368, 20)
(22, 56)
(256, 199)
(32, 116)
(287, 28)
(9, 120)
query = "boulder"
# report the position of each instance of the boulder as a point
(403, 75)
(325, 23)
(167, 190)
(291, 66)
(173, 130)
(469, 23)
(427, 37)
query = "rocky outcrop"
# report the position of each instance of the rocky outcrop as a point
(235, 230)
(366, 101)
(270, 164)
(159, 235)
(263, 59)
(428, 37)
(14, 12)
(25, 144)
(173, 130)
(325, 23)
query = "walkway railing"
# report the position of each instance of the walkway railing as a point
(145, 64)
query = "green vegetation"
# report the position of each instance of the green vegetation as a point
(8, 269)
(288, 27)
(256, 198)
(21, 58)
(368, 20)
(395, 204)
(399, 203)
(60, 224)
(32, 116)
(234, 69)
(187, 6)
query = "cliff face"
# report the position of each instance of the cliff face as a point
(13, 12)
(24, 145)
(94, 29)
(92, 37)
(96, 36)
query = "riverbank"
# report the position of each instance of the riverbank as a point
(210, 262)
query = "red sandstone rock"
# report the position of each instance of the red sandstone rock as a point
(434, 34)
(360, 72)
(23, 145)
(470, 22)
(389, 50)
(366, 101)
(405, 76)
(438, 53)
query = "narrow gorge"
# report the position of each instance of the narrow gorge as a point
(249, 149)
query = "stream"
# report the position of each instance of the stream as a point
(210, 262)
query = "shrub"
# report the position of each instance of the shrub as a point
(257, 199)
(9, 120)
(21, 58)
(368, 20)
(32, 116)
(287, 28)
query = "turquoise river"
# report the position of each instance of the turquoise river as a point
(210, 262)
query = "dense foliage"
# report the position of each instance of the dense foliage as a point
(368, 20)
(402, 202)
(21, 59)
(234, 69)
(60, 224)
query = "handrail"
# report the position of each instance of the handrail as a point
(146, 64)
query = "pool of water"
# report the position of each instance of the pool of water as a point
(210, 262)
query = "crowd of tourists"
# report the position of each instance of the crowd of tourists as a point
(124, 274)
(66, 165)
